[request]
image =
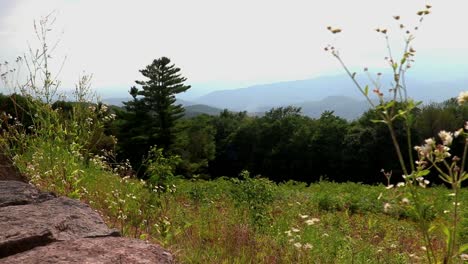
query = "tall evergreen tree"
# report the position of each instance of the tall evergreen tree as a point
(156, 99)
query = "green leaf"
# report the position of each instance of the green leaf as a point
(463, 248)
(378, 121)
(390, 104)
(403, 60)
(422, 173)
(366, 90)
(446, 233)
(432, 228)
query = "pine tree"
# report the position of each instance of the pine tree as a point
(156, 99)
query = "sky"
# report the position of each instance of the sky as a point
(230, 44)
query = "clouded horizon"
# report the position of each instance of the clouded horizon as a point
(232, 44)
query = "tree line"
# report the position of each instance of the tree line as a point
(281, 145)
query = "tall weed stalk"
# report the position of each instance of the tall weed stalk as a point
(417, 163)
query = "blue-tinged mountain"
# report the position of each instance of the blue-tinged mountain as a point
(199, 109)
(118, 101)
(191, 109)
(335, 88)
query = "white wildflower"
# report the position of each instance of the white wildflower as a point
(462, 97)
(307, 246)
(387, 207)
(446, 137)
(312, 221)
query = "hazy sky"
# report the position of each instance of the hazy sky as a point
(230, 44)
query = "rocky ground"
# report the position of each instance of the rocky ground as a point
(7, 171)
(38, 227)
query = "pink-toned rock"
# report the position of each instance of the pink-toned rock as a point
(38, 227)
(27, 226)
(20, 193)
(93, 250)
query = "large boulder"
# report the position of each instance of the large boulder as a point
(27, 226)
(8, 172)
(38, 227)
(20, 193)
(96, 250)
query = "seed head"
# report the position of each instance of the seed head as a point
(462, 97)
(336, 30)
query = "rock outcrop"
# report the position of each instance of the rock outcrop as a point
(38, 227)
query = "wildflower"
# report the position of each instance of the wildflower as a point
(462, 97)
(389, 187)
(405, 201)
(441, 152)
(425, 149)
(447, 137)
(325, 235)
(400, 184)
(464, 257)
(298, 245)
(288, 233)
(303, 216)
(295, 230)
(312, 221)
(424, 248)
(307, 246)
(387, 207)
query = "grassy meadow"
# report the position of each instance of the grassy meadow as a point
(253, 220)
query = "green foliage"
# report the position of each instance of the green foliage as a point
(256, 195)
(196, 146)
(160, 170)
(150, 118)
(157, 99)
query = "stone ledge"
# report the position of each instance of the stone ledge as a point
(38, 227)
(107, 250)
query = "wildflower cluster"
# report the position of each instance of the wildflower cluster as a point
(433, 154)
(293, 234)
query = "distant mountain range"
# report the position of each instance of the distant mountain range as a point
(314, 96)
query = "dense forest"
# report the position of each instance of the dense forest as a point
(282, 145)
